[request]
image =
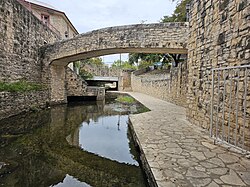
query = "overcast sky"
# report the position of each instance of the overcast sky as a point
(87, 15)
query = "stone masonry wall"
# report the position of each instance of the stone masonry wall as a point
(21, 36)
(219, 37)
(102, 71)
(14, 103)
(75, 85)
(171, 87)
(126, 76)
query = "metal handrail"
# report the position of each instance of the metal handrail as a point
(224, 81)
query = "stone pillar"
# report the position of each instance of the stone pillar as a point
(120, 83)
(58, 87)
(100, 94)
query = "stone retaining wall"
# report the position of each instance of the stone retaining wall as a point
(219, 37)
(14, 103)
(171, 87)
(22, 35)
(102, 71)
(75, 85)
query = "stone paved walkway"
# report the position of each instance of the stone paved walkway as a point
(181, 154)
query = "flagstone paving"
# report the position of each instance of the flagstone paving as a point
(181, 154)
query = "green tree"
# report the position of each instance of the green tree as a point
(125, 65)
(136, 58)
(133, 58)
(117, 64)
(91, 61)
(85, 75)
(179, 14)
(94, 61)
(143, 60)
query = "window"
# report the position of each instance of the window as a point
(45, 19)
(66, 34)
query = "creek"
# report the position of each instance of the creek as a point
(81, 144)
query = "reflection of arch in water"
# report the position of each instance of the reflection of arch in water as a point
(49, 163)
(73, 139)
(92, 115)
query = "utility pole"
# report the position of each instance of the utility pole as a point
(120, 60)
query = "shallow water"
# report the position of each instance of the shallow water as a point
(107, 137)
(84, 144)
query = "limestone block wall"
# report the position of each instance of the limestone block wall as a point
(219, 37)
(14, 103)
(126, 76)
(75, 85)
(102, 71)
(171, 87)
(21, 36)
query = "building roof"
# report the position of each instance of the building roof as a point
(42, 4)
(50, 7)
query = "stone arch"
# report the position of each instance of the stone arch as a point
(141, 38)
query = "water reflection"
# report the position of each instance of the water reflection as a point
(107, 137)
(35, 149)
(71, 181)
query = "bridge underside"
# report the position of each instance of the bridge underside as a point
(108, 84)
(110, 79)
(96, 53)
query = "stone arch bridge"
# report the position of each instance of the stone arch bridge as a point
(141, 38)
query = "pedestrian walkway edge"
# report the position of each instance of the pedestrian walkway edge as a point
(145, 165)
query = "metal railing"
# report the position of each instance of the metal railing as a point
(230, 106)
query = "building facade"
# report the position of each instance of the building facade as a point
(55, 19)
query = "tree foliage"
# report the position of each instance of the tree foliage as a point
(179, 14)
(91, 61)
(151, 58)
(85, 75)
(94, 61)
(125, 65)
(144, 60)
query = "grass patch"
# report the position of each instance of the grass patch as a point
(142, 109)
(20, 86)
(126, 99)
